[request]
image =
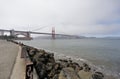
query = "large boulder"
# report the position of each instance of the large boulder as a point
(85, 75)
(68, 73)
(98, 75)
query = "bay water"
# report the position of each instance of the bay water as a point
(101, 53)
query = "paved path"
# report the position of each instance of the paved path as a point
(8, 54)
(19, 67)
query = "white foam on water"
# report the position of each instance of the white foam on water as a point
(100, 68)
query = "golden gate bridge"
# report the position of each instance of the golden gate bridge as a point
(27, 34)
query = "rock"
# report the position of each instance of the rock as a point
(42, 51)
(97, 75)
(41, 70)
(68, 73)
(32, 52)
(55, 77)
(52, 60)
(55, 71)
(63, 60)
(49, 67)
(85, 75)
(80, 68)
(57, 65)
(62, 63)
(76, 66)
(87, 69)
(85, 65)
(52, 73)
(70, 60)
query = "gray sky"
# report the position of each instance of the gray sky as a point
(81, 17)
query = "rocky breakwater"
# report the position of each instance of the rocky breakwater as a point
(49, 68)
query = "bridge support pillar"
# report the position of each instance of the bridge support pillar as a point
(2, 33)
(28, 35)
(53, 33)
(12, 33)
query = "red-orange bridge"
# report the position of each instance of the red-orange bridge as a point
(27, 34)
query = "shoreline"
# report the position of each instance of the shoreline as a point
(84, 70)
(61, 66)
(110, 68)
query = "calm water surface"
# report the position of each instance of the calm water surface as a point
(104, 53)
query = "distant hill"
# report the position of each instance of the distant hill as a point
(61, 37)
(111, 37)
(75, 37)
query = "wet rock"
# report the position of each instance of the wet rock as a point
(42, 51)
(86, 67)
(70, 60)
(32, 52)
(97, 75)
(63, 63)
(63, 60)
(75, 65)
(80, 68)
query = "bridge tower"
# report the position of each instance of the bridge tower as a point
(28, 35)
(53, 32)
(12, 33)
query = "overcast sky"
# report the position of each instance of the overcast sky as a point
(81, 17)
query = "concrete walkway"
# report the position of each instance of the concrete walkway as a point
(8, 54)
(19, 67)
